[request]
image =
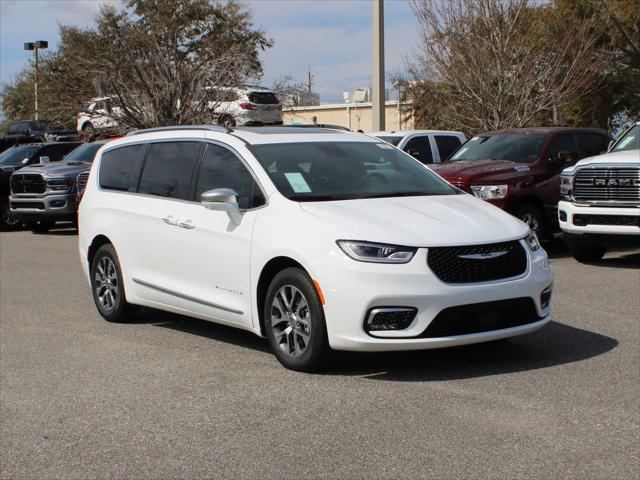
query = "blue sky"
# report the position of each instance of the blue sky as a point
(333, 37)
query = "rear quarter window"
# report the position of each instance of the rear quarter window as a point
(120, 168)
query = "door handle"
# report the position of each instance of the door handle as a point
(170, 220)
(188, 224)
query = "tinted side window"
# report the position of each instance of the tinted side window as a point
(222, 169)
(120, 168)
(563, 143)
(169, 169)
(420, 148)
(56, 152)
(447, 144)
(591, 144)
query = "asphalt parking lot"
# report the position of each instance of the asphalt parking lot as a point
(173, 397)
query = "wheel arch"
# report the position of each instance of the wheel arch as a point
(268, 272)
(96, 243)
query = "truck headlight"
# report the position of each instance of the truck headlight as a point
(490, 192)
(376, 252)
(566, 186)
(59, 184)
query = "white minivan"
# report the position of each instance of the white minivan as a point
(317, 239)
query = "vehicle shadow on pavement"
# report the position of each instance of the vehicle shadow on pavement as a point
(203, 328)
(555, 344)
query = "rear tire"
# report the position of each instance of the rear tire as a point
(227, 121)
(294, 322)
(107, 285)
(587, 253)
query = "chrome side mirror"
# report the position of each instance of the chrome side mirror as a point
(224, 200)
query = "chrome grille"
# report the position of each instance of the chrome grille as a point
(81, 182)
(27, 183)
(618, 184)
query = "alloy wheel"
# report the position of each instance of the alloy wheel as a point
(291, 321)
(106, 283)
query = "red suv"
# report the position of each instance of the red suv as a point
(518, 170)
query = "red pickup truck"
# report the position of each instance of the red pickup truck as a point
(518, 170)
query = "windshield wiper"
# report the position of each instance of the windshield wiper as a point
(397, 194)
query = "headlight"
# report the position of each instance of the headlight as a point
(376, 252)
(60, 184)
(490, 192)
(532, 241)
(566, 187)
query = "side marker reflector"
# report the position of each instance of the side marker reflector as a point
(319, 290)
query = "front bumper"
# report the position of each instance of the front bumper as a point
(353, 288)
(32, 208)
(568, 211)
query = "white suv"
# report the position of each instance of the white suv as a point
(98, 114)
(248, 105)
(428, 146)
(314, 238)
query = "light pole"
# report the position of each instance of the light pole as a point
(378, 103)
(36, 46)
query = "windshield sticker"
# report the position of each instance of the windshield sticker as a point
(625, 142)
(521, 168)
(25, 160)
(474, 139)
(297, 182)
(386, 146)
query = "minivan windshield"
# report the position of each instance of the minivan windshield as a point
(325, 171)
(516, 147)
(17, 155)
(84, 153)
(629, 141)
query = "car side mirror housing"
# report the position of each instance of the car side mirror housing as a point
(224, 200)
(44, 159)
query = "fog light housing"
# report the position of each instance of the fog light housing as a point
(389, 318)
(545, 298)
(58, 203)
(562, 215)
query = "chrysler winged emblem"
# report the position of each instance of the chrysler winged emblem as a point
(483, 256)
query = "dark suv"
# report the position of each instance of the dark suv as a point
(21, 156)
(518, 170)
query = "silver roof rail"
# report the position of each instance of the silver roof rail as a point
(212, 128)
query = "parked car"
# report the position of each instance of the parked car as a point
(283, 232)
(25, 131)
(21, 156)
(518, 170)
(600, 205)
(248, 105)
(428, 146)
(98, 115)
(44, 194)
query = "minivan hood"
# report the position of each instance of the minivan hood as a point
(461, 170)
(419, 221)
(57, 169)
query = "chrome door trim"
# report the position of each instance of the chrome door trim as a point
(185, 297)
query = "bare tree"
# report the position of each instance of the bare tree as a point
(294, 94)
(491, 64)
(162, 60)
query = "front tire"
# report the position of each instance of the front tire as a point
(8, 221)
(294, 322)
(530, 215)
(587, 253)
(42, 226)
(107, 284)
